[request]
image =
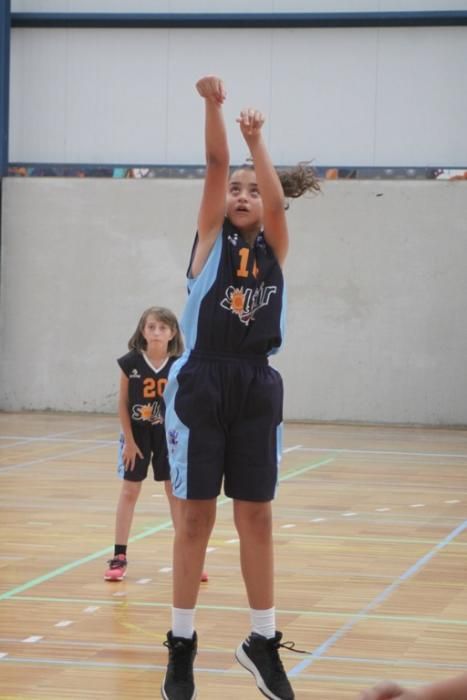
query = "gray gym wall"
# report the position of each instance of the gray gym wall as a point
(376, 279)
(376, 273)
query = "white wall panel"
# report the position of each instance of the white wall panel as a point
(421, 98)
(242, 58)
(323, 104)
(89, 95)
(236, 5)
(345, 97)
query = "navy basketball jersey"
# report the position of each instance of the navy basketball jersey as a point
(236, 305)
(146, 387)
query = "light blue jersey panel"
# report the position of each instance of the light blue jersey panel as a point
(279, 446)
(120, 462)
(282, 320)
(177, 433)
(198, 287)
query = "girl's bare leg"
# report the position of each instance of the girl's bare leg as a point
(125, 509)
(253, 521)
(195, 520)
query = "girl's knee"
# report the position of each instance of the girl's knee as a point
(253, 517)
(131, 490)
(195, 521)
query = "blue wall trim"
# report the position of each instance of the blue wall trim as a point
(4, 83)
(240, 20)
(148, 171)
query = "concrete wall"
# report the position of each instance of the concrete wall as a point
(377, 293)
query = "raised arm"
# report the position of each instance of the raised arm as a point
(212, 208)
(269, 185)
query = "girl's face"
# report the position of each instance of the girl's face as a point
(244, 204)
(157, 333)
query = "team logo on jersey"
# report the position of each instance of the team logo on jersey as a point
(233, 238)
(245, 303)
(148, 412)
(172, 439)
(176, 479)
(134, 374)
(260, 242)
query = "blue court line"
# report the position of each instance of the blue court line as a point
(380, 598)
(74, 564)
(108, 550)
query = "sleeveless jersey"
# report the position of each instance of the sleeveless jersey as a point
(236, 305)
(145, 388)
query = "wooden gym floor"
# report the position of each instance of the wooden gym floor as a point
(371, 559)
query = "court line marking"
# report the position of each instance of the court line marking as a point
(377, 600)
(59, 440)
(11, 467)
(142, 535)
(236, 609)
(455, 455)
(151, 648)
(234, 672)
(291, 449)
(24, 440)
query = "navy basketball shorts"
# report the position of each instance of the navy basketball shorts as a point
(152, 443)
(224, 425)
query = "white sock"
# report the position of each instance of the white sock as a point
(264, 622)
(183, 620)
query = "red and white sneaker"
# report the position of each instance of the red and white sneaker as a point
(117, 568)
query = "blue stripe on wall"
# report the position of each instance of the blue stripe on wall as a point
(241, 20)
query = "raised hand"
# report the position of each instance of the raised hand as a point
(251, 122)
(211, 88)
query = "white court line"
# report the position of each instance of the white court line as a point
(447, 455)
(64, 623)
(52, 436)
(63, 455)
(4, 557)
(291, 449)
(33, 639)
(53, 440)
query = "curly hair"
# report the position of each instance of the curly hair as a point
(295, 181)
(298, 180)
